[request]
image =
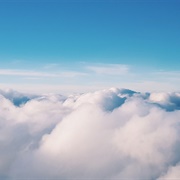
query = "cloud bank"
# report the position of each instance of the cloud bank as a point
(108, 134)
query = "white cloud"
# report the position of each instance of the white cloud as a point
(172, 173)
(168, 75)
(24, 73)
(86, 77)
(109, 69)
(108, 134)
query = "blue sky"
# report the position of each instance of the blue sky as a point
(82, 45)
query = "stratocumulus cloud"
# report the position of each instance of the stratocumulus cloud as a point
(108, 134)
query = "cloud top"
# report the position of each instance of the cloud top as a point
(108, 134)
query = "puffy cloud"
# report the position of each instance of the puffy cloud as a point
(169, 101)
(172, 173)
(113, 133)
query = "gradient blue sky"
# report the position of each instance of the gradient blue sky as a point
(74, 46)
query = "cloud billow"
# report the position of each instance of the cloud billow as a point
(108, 134)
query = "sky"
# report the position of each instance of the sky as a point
(77, 46)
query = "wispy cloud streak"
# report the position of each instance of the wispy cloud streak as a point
(110, 69)
(15, 72)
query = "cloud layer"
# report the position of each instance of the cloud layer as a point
(108, 134)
